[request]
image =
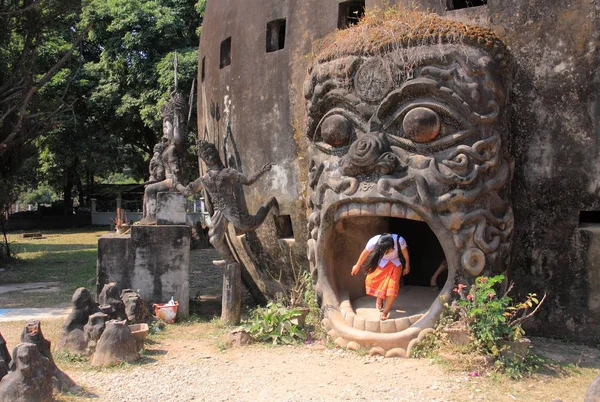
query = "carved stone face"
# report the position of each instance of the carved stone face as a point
(411, 141)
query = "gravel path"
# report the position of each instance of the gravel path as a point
(195, 370)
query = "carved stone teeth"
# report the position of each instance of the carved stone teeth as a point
(359, 323)
(398, 211)
(402, 323)
(375, 209)
(342, 212)
(368, 209)
(383, 209)
(372, 325)
(354, 209)
(349, 319)
(388, 327)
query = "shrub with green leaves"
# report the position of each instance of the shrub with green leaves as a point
(276, 324)
(488, 316)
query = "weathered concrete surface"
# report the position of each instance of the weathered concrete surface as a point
(153, 260)
(258, 101)
(170, 209)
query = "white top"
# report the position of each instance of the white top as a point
(390, 255)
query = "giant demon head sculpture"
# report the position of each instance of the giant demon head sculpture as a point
(409, 134)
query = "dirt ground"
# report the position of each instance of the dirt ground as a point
(192, 361)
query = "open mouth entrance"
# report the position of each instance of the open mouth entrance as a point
(416, 295)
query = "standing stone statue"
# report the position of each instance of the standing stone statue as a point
(166, 172)
(220, 183)
(30, 376)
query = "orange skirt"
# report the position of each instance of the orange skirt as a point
(384, 281)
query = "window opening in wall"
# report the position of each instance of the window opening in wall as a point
(275, 35)
(350, 12)
(589, 217)
(225, 58)
(458, 4)
(203, 73)
(283, 225)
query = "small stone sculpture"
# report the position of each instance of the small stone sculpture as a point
(4, 357)
(109, 296)
(93, 330)
(135, 309)
(72, 338)
(30, 378)
(593, 392)
(220, 184)
(32, 333)
(116, 345)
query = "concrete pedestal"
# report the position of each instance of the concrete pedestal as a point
(153, 260)
(170, 209)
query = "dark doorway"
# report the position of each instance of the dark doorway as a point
(349, 238)
(589, 217)
(425, 251)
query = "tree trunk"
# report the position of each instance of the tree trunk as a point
(6, 245)
(80, 194)
(90, 187)
(67, 196)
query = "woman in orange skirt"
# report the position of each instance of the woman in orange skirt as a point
(384, 267)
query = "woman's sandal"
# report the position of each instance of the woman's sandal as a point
(379, 305)
(384, 317)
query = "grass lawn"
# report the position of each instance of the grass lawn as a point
(66, 256)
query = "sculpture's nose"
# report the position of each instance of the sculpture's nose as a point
(371, 153)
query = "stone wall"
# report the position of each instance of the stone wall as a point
(256, 102)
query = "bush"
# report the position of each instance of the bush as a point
(489, 317)
(276, 324)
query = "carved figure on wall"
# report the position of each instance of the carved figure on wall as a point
(72, 338)
(32, 333)
(219, 182)
(401, 130)
(30, 377)
(172, 159)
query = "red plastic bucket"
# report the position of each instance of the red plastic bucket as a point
(165, 312)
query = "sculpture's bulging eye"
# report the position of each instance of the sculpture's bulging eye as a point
(421, 124)
(336, 130)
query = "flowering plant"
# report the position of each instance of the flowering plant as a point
(489, 317)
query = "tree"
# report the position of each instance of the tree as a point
(106, 68)
(37, 38)
(138, 38)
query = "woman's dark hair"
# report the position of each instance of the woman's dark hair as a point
(385, 243)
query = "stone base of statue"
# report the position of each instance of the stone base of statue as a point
(170, 209)
(153, 259)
